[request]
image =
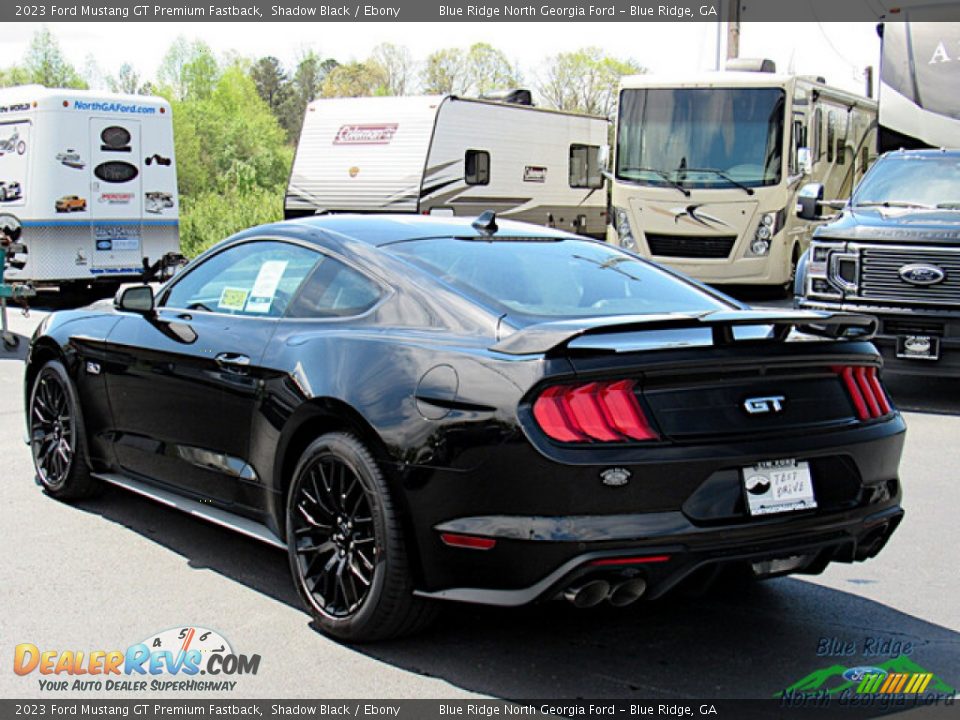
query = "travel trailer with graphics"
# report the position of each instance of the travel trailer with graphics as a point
(919, 79)
(707, 168)
(84, 186)
(446, 155)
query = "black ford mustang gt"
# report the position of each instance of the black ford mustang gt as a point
(424, 408)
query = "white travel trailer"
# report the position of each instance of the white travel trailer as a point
(83, 172)
(442, 154)
(708, 167)
(919, 83)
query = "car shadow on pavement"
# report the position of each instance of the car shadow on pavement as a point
(751, 641)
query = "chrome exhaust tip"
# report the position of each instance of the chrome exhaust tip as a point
(587, 595)
(628, 592)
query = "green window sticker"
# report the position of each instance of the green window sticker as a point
(233, 299)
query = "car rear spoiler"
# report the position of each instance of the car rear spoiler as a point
(544, 337)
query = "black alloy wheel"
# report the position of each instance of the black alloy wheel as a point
(333, 533)
(346, 546)
(56, 436)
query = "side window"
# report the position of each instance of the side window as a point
(334, 290)
(799, 134)
(817, 130)
(476, 167)
(831, 134)
(585, 167)
(256, 279)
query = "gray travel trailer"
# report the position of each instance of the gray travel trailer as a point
(447, 155)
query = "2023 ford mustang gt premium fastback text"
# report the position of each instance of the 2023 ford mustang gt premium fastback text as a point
(428, 408)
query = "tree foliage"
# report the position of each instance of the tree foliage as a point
(354, 79)
(44, 64)
(394, 65)
(476, 71)
(584, 80)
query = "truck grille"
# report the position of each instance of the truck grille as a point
(880, 275)
(690, 246)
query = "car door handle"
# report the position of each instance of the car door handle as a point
(232, 360)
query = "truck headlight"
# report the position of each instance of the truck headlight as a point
(621, 223)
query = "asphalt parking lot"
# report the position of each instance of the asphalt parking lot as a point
(105, 574)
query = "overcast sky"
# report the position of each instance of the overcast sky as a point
(838, 51)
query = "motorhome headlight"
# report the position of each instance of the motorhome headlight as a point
(760, 246)
(621, 222)
(770, 224)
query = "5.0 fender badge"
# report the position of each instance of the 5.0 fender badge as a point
(615, 477)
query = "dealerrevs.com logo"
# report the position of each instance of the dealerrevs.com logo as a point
(186, 659)
(365, 134)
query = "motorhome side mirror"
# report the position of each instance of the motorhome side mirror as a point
(137, 299)
(804, 160)
(603, 158)
(809, 201)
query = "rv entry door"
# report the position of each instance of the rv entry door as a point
(115, 195)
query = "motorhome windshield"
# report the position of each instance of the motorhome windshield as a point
(701, 137)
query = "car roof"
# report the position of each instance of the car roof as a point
(378, 230)
(923, 154)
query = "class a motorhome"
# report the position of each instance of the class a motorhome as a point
(919, 94)
(707, 167)
(92, 179)
(443, 154)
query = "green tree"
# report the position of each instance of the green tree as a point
(229, 139)
(272, 82)
(354, 79)
(188, 70)
(444, 71)
(127, 80)
(45, 64)
(305, 87)
(488, 68)
(394, 64)
(584, 80)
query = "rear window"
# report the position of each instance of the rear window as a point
(555, 278)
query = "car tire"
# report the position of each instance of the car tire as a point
(346, 546)
(57, 439)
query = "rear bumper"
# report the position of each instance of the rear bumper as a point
(550, 520)
(667, 549)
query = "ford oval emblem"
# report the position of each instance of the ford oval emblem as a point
(922, 274)
(855, 674)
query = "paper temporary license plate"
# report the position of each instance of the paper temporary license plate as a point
(777, 486)
(918, 347)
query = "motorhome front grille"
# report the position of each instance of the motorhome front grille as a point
(690, 246)
(880, 275)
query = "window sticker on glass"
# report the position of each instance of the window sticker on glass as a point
(232, 299)
(265, 286)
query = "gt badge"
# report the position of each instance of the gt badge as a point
(615, 477)
(758, 405)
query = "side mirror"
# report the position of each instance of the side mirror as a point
(804, 160)
(603, 158)
(809, 201)
(136, 299)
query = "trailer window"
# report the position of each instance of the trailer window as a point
(585, 167)
(476, 167)
(817, 130)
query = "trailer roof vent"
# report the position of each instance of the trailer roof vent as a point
(763, 65)
(513, 96)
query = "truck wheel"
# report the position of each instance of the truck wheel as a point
(57, 440)
(346, 547)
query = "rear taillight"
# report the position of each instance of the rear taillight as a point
(593, 412)
(865, 391)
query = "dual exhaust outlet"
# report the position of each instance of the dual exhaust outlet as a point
(594, 592)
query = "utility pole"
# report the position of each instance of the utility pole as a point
(733, 29)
